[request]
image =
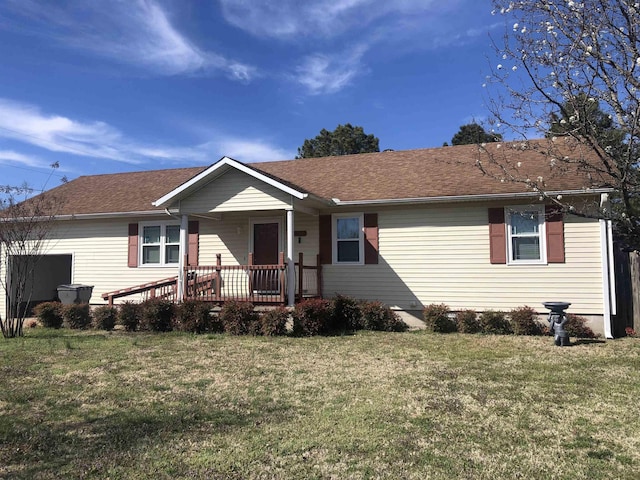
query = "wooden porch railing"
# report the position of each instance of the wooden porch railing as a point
(260, 284)
(308, 279)
(165, 288)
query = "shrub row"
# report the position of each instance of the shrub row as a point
(77, 316)
(519, 321)
(344, 314)
(310, 317)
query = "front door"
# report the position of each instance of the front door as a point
(266, 243)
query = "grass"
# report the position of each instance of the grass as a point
(372, 405)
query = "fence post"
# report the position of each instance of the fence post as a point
(183, 283)
(282, 266)
(251, 275)
(319, 275)
(218, 296)
(634, 267)
(300, 275)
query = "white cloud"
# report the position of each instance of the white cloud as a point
(320, 73)
(26, 124)
(135, 32)
(249, 151)
(11, 157)
(314, 18)
(322, 29)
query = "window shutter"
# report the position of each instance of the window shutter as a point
(194, 234)
(555, 234)
(324, 227)
(497, 236)
(133, 245)
(370, 238)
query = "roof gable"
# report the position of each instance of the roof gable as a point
(214, 171)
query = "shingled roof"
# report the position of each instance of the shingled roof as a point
(424, 173)
(390, 175)
(119, 192)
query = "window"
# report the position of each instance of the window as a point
(525, 231)
(348, 239)
(160, 244)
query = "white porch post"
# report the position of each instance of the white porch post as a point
(184, 246)
(291, 272)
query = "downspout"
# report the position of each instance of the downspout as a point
(612, 272)
(606, 262)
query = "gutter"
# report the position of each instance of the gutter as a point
(96, 216)
(466, 198)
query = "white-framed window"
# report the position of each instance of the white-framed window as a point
(159, 243)
(526, 235)
(348, 238)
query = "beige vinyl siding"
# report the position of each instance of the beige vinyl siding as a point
(99, 249)
(308, 245)
(230, 237)
(235, 191)
(441, 254)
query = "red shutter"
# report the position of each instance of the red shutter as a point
(370, 238)
(555, 234)
(133, 245)
(324, 227)
(497, 236)
(194, 234)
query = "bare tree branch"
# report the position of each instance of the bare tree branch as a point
(571, 70)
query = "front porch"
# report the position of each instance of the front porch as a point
(258, 284)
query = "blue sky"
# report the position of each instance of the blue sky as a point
(114, 86)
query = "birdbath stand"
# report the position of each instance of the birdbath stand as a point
(557, 319)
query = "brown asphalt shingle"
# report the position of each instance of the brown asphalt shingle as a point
(424, 173)
(120, 192)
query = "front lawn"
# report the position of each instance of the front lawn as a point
(372, 405)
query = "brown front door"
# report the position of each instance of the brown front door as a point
(265, 252)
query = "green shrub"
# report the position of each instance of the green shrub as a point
(495, 322)
(467, 321)
(347, 315)
(378, 316)
(524, 321)
(104, 317)
(129, 316)
(274, 322)
(49, 314)
(239, 318)
(195, 316)
(312, 317)
(576, 327)
(77, 316)
(157, 315)
(436, 318)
